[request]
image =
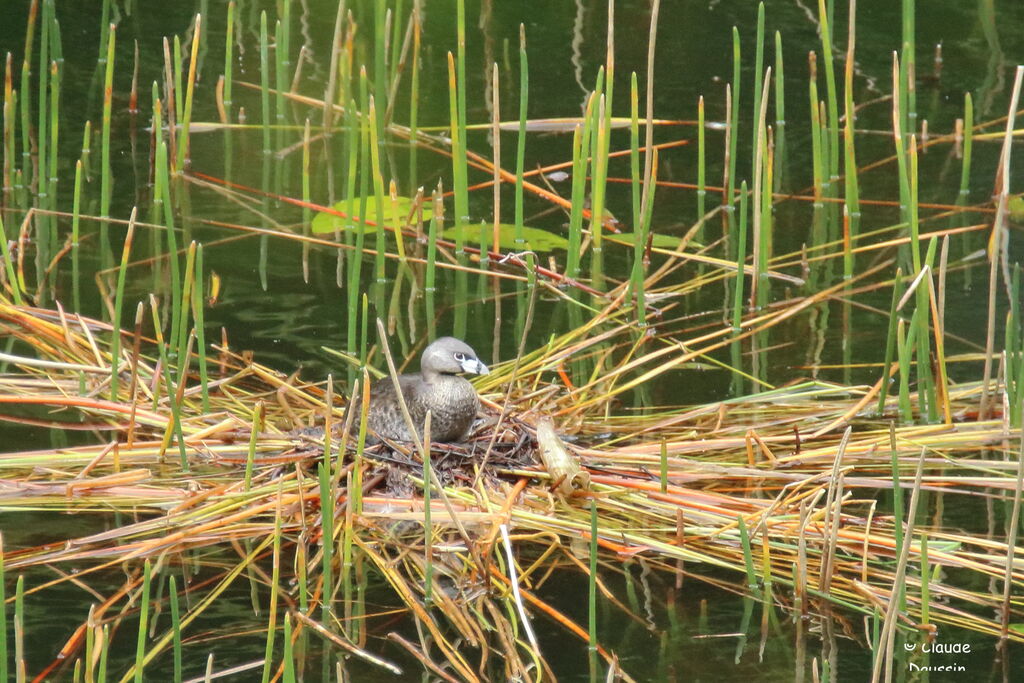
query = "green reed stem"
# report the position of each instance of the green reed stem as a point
(598, 185)
(664, 466)
(734, 127)
(926, 392)
(55, 86)
(42, 137)
(26, 129)
(395, 40)
(90, 649)
(3, 611)
(12, 277)
(307, 197)
(229, 61)
(346, 553)
(701, 165)
(254, 436)
(852, 189)
(830, 85)
(926, 592)
(115, 335)
(302, 577)
(184, 296)
(780, 114)
(265, 81)
(763, 165)
(819, 162)
(186, 120)
(460, 28)
(459, 170)
(592, 587)
(748, 553)
(898, 94)
(890, 341)
(179, 101)
(459, 163)
(639, 241)
(430, 284)
(524, 96)
(275, 579)
(908, 97)
(758, 77)
(634, 148)
(172, 393)
(327, 538)
(432, 231)
(897, 488)
(741, 260)
(364, 338)
(1017, 418)
(200, 328)
(101, 669)
(905, 350)
(163, 187)
(19, 630)
(414, 97)
(106, 186)
(486, 232)
(283, 51)
(356, 142)
(428, 531)
(10, 126)
(380, 41)
(280, 78)
(289, 658)
(140, 641)
(965, 169)
(1013, 348)
(75, 255)
(56, 47)
(378, 191)
(364, 155)
(580, 143)
(172, 594)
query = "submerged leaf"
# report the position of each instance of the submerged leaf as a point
(1016, 208)
(536, 239)
(659, 241)
(324, 222)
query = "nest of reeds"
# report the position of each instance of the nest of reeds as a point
(496, 448)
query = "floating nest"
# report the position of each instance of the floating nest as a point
(496, 449)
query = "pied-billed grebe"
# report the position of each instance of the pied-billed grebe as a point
(437, 387)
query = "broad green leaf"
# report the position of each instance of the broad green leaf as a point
(536, 239)
(659, 241)
(327, 222)
(1016, 208)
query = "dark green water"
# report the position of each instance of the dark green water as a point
(287, 323)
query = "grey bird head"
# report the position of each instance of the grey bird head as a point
(450, 356)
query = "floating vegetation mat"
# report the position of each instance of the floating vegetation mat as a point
(780, 489)
(192, 478)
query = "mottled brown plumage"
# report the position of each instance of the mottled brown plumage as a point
(437, 387)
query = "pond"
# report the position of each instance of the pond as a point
(282, 276)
